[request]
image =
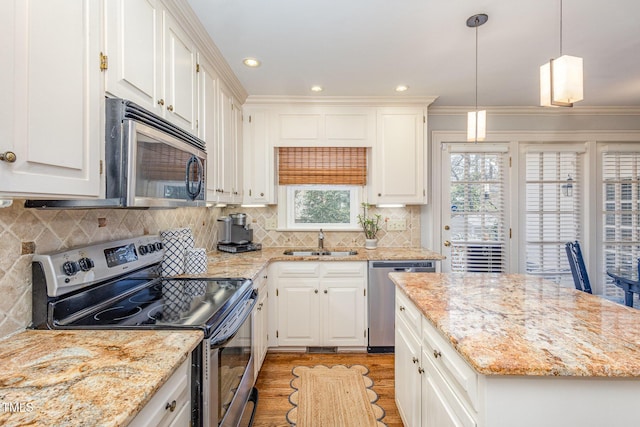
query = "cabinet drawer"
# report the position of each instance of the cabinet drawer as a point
(442, 404)
(297, 269)
(157, 411)
(344, 269)
(451, 365)
(406, 310)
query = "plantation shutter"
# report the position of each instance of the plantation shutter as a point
(553, 198)
(620, 211)
(322, 165)
(477, 209)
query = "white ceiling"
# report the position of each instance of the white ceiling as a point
(367, 47)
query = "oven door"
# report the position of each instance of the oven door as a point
(231, 368)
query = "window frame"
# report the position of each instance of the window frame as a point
(286, 212)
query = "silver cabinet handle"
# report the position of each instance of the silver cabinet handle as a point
(8, 156)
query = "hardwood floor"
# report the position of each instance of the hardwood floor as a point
(275, 376)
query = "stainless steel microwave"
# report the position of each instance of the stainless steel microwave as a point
(149, 162)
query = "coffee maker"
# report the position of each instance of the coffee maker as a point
(235, 235)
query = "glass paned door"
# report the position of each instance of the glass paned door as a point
(475, 230)
(553, 202)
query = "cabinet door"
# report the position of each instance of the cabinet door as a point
(343, 307)
(399, 157)
(226, 147)
(134, 48)
(298, 312)
(407, 377)
(180, 86)
(237, 181)
(208, 81)
(259, 165)
(51, 116)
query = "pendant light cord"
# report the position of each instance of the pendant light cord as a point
(476, 111)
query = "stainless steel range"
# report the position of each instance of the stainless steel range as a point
(117, 285)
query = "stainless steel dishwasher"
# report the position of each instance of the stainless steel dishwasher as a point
(382, 295)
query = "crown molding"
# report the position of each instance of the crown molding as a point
(396, 101)
(539, 111)
(182, 11)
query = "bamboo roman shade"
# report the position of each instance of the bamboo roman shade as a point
(322, 165)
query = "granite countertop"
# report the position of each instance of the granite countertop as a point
(86, 378)
(511, 324)
(249, 264)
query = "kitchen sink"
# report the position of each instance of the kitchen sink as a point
(308, 252)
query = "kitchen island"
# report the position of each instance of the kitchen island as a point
(86, 378)
(507, 350)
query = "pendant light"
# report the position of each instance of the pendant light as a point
(476, 120)
(561, 79)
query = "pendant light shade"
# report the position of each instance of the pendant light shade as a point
(476, 125)
(561, 79)
(477, 119)
(561, 82)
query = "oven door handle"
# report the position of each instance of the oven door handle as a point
(220, 340)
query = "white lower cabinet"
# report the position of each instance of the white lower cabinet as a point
(171, 405)
(427, 393)
(320, 303)
(259, 322)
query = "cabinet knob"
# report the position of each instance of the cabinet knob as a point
(316, 291)
(171, 406)
(8, 156)
(437, 354)
(379, 194)
(170, 108)
(415, 359)
(326, 291)
(447, 243)
(420, 370)
(401, 308)
(261, 194)
(160, 101)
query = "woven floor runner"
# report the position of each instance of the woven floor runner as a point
(333, 397)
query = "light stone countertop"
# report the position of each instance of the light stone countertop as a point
(249, 264)
(86, 378)
(511, 324)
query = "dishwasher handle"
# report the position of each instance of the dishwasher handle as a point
(414, 270)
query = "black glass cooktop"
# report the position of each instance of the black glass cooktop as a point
(165, 303)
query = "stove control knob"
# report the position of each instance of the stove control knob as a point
(86, 264)
(151, 247)
(70, 268)
(158, 246)
(143, 249)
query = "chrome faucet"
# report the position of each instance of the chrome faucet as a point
(320, 239)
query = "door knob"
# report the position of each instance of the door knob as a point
(8, 156)
(447, 243)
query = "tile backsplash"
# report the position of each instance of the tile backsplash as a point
(27, 231)
(410, 237)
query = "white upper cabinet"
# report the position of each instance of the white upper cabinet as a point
(134, 48)
(208, 82)
(151, 61)
(259, 163)
(325, 126)
(51, 114)
(398, 173)
(227, 157)
(180, 81)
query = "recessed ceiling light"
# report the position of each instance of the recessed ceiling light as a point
(251, 62)
(402, 88)
(317, 88)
